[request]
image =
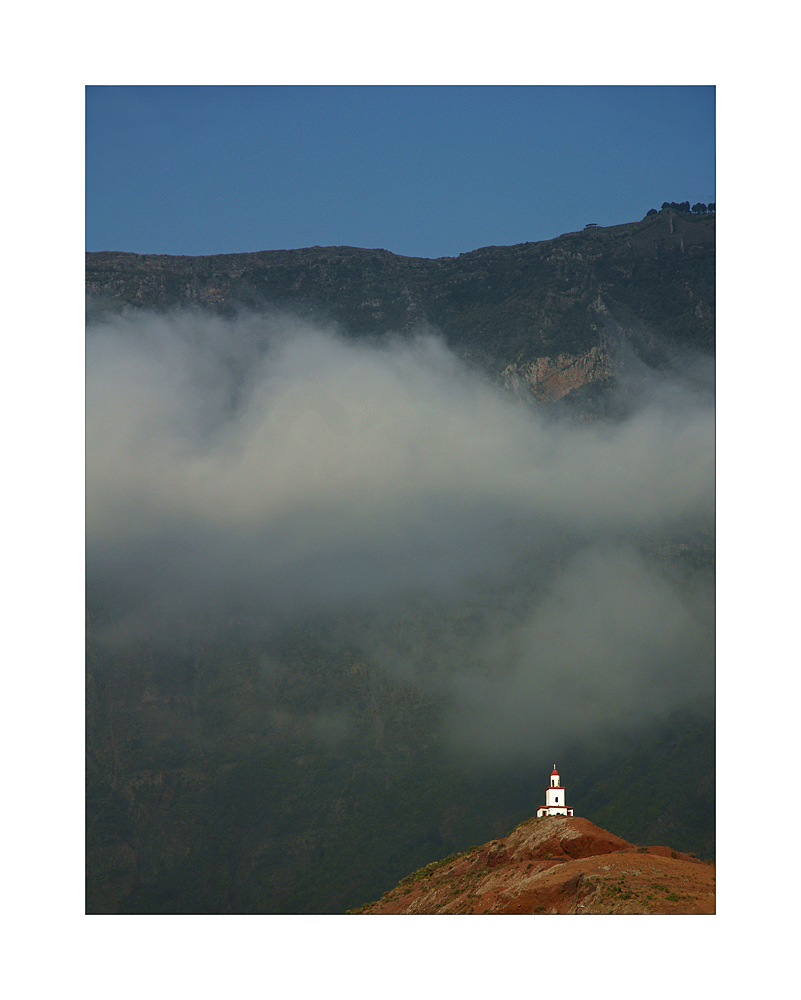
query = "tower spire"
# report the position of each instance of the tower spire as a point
(555, 798)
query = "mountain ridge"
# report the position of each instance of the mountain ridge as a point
(637, 283)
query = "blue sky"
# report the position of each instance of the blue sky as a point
(419, 171)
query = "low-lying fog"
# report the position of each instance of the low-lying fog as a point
(276, 466)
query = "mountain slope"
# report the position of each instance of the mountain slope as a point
(557, 865)
(246, 758)
(575, 299)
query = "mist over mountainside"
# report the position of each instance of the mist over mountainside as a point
(371, 539)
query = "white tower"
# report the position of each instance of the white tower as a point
(555, 798)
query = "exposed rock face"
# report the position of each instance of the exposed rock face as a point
(557, 865)
(551, 378)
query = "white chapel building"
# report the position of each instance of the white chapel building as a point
(555, 799)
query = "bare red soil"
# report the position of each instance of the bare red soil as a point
(557, 865)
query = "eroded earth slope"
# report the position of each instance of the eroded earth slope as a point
(557, 865)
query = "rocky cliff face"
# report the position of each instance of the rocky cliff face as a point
(545, 315)
(551, 378)
(557, 865)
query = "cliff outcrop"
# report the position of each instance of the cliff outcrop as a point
(551, 378)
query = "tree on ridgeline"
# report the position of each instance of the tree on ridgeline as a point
(684, 206)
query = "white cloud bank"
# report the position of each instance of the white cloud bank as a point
(278, 464)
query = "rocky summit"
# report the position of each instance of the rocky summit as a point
(552, 865)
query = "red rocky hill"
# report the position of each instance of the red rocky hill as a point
(557, 865)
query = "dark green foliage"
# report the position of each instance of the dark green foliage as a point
(684, 206)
